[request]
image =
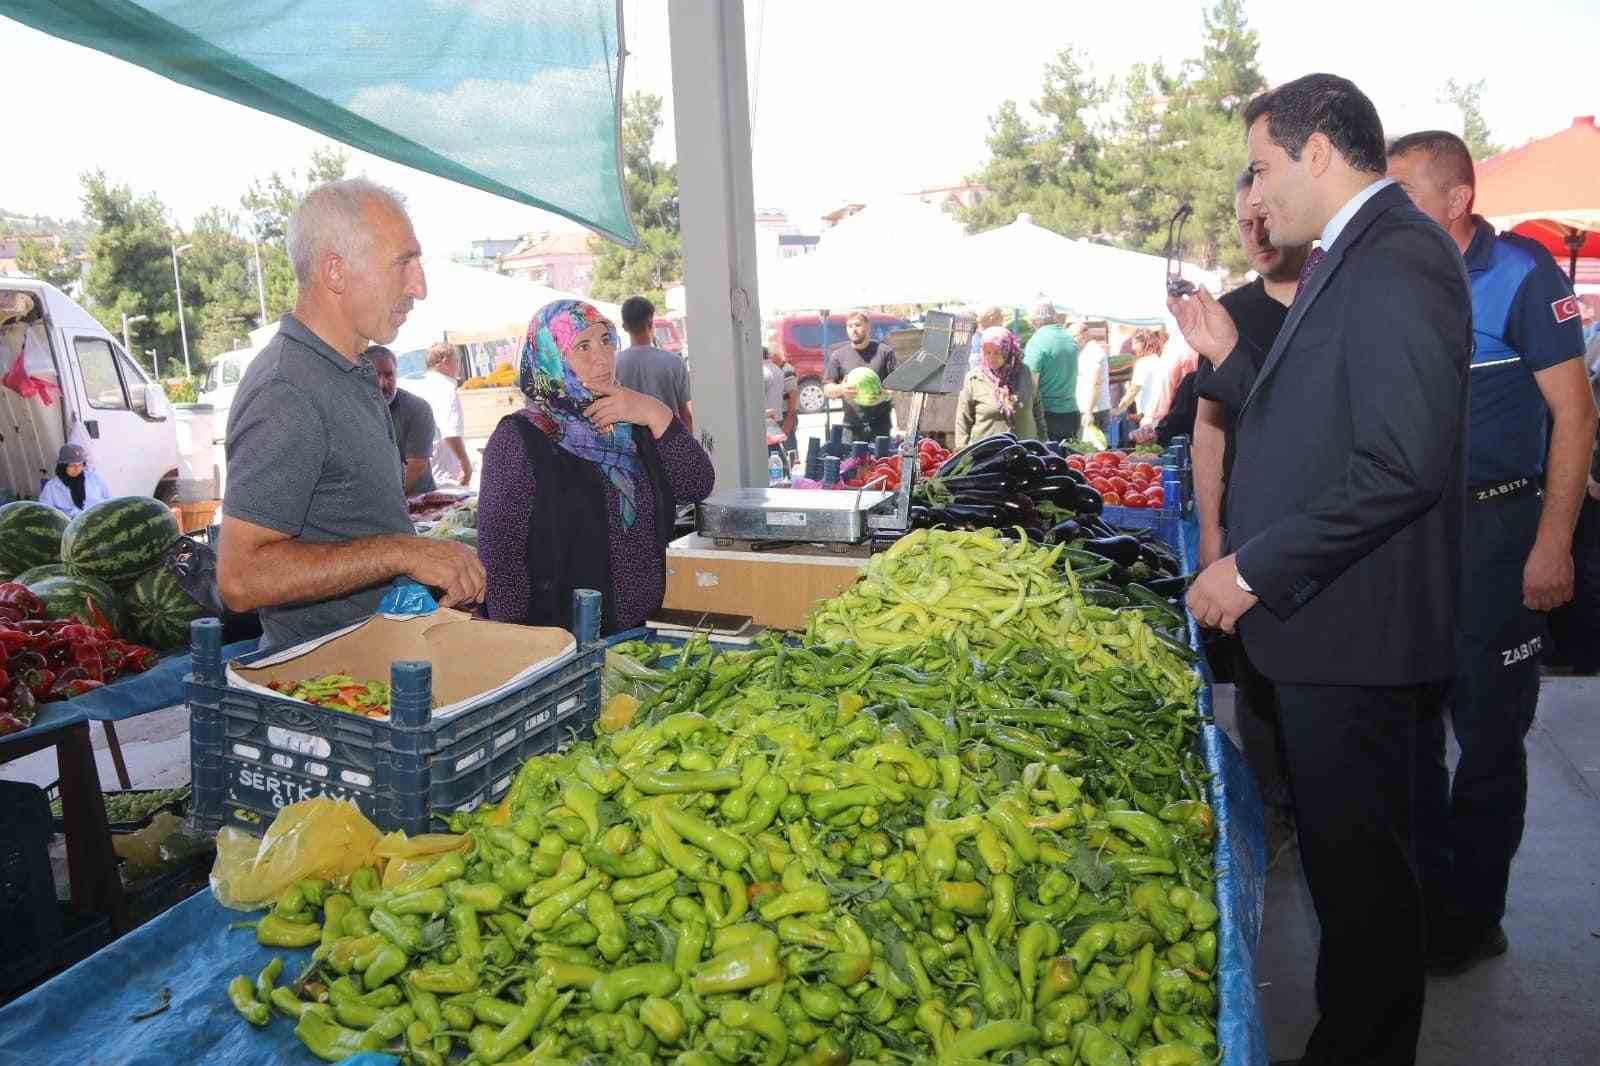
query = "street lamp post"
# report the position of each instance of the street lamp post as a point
(155, 361)
(177, 287)
(128, 320)
(261, 289)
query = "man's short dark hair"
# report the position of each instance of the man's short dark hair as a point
(1244, 181)
(637, 313)
(1448, 154)
(378, 351)
(1325, 104)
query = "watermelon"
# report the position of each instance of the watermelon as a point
(117, 540)
(39, 573)
(69, 597)
(159, 611)
(30, 535)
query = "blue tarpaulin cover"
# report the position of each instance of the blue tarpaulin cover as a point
(518, 99)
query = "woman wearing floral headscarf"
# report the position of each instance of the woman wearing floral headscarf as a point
(580, 488)
(1001, 395)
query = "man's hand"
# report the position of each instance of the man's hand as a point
(444, 564)
(834, 390)
(1215, 599)
(1210, 544)
(1144, 435)
(466, 471)
(1548, 577)
(614, 404)
(1205, 324)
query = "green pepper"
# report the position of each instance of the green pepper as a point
(995, 983)
(431, 902)
(1194, 817)
(726, 848)
(1174, 991)
(389, 1026)
(459, 976)
(335, 908)
(390, 962)
(265, 979)
(738, 1015)
(1138, 866)
(612, 990)
(1151, 901)
(447, 867)
(812, 899)
(1172, 1055)
(1090, 943)
(986, 1039)
(569, 871)
(1060, 977)
(663, 1019)
(612, 930)
(315, 890)
(514, 875)
(469, 938)
(1002, 909)
(824, 1002)
(325, 1039)
(663, 783)
(1008, 816)
(962, 897)
(738, 969)
(770, 793)
(355, 922)
(1138, 985)
(798, 931)
(419, 1047)
(939, 855)
(288, 1004)
(242, 994)
(291, 903)
(275, 931)
(562, 974)
(1205, 951)
(638, 862)
(585, 803)
(1096, 1048)
(345, 951)
(485, 897)
(1036, 940)
(1201, 912)
(537, 998)
(397, 932)
(366, 888)
(1130, 936)
(1144, 828)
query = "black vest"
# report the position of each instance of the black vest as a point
(569, 535)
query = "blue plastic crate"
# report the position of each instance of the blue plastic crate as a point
(1178, 531)
(252, 754)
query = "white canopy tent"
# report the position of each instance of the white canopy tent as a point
(893, 251)
(1019, 264)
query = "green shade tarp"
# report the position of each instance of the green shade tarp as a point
(520, 98)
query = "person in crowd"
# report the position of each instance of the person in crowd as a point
(991, 315)
(791, 384)
(314, 518)
(413, 423)
(1344, 541)
(1527, 373)
(1052, 356)
(1001, 396)
(1575, 627)
(860, 423)
(643, 367)
(439, 387)
(1094, 380)
(75, 487)
(580, 488)
(1258, 310)
(1146, 381)
(782, 395)
(1178, 361)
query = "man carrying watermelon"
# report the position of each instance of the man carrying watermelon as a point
(314, 524)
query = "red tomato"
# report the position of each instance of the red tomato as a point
(1120, 484)
(1134, 498)
(1100, 485)
(1118, 455)
(1155, 497)
(1146, 469)
(1112, 499)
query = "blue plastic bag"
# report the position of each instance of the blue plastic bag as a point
(407, 597)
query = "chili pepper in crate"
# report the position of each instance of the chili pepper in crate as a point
(39, 682)
(242, 994)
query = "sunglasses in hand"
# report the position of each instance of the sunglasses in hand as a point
(1177, 284)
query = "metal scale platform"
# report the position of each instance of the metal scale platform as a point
(837, 517)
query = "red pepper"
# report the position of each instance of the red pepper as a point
(58, 652)
(81, 632)
(136, 659)
(86, 657)
(10, 615)
(39, 682)
(12, 639)
(18, 595)
(23, 702)
(10, 723)
(99, 619)
(66, 690)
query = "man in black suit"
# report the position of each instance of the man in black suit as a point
(1343, 519)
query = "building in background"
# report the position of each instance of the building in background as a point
(558, 259)
(950, 197)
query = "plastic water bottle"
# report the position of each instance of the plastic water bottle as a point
(774, 469)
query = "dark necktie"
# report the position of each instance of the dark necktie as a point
(1312, 262)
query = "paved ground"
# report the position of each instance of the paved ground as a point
(1538, 1004)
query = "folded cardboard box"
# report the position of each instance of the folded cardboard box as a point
(474, 661)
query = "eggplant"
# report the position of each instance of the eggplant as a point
(1086, 501)
(1168, 587)
(1066, 530)
(973, 514)
(1055, 466)
(1076, 475)
(1122, 550)
(1057, 448)
(1061, 491)
(1158, 558)
(1000, 484)
(975, 453)
(1028, 467)
(1095, 526)
(1035, 447)
(997, 461)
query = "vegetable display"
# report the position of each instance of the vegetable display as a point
(1002, 482)
(339, 692)
(979, 845)
(44, 659)
(1120, 479)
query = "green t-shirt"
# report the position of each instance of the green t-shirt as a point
(1052, 355)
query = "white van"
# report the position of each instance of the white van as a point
(100, 399)
(222, 381)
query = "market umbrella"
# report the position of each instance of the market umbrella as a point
(1548, 190)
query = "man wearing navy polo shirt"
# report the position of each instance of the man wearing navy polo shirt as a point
(1530, 428)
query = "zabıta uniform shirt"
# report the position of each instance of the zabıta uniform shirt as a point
(1524, 319)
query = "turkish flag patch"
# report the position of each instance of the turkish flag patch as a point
(1566, 310)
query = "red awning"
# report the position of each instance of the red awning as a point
(1548, 190)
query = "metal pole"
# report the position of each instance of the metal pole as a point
(261, 289)
(125, 345)
(177, 287)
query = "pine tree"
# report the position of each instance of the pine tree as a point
(652, 192)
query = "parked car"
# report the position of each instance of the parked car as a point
(802, 339)
(222, 382)
(667, 334)
(99, 398)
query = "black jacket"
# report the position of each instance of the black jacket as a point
(1345, 505)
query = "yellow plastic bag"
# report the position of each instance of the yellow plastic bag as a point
(315, 838)
(406, 855)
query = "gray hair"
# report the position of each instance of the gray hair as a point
(331, 219)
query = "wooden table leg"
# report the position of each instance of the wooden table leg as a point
(116, 756)
(91, 861)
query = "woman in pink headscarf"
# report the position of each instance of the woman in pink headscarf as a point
(1000, 395)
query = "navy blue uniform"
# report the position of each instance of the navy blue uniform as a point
(1525, 319)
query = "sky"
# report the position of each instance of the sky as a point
(850, 101)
